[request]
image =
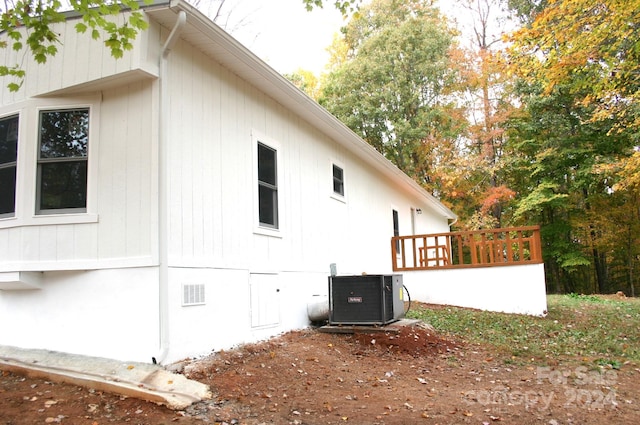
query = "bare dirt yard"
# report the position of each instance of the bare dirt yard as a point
(311, 377)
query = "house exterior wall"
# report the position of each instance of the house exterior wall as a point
(258, 282)
(100, 274)
(119, 227)
(96, 272)
(216, 119)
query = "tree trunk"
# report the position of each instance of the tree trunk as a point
(555, 280)
(600, 264)
(632, 291)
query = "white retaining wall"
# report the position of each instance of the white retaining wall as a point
(509, 289)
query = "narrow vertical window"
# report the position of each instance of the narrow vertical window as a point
(62, 161)
(396, 229)
(8, 165)
(338, 180)
(267, 186)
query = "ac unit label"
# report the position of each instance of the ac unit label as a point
(354, 300)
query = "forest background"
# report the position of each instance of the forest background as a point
(525, 112)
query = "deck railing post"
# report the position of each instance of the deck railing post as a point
(459, 238)
(507, 239)
(403, 252)
(520, 246)
(536, 252)
(394, 260)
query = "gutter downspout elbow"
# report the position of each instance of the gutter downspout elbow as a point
(175, 33)
(163, 192)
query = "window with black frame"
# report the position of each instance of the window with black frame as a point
(267, 186)
(62, 161)
(396, 229)
(8, 164)
(338, 180)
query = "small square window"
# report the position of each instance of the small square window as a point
(338, 180)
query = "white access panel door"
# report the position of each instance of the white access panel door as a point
(265, 299)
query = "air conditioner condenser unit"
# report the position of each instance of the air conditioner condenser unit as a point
(365, 299)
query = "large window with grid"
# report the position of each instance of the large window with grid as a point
(63, 144)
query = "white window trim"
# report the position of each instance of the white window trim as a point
(43, 220)
(27, 162)
(332, 194)
(257, 137)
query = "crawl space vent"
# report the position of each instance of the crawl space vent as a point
(192, 294)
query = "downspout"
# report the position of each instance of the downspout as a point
(163, 193)
(452, 222)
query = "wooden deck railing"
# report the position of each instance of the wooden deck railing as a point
(482, 248)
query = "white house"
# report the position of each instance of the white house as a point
(182, 199)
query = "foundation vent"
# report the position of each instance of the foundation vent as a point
(192, 294)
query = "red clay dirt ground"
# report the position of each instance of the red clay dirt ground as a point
(310, 377)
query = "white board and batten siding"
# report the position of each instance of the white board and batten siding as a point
(218, 120)
(229, 280)
(119, 225)
(81, 65)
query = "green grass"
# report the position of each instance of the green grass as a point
(603, 330)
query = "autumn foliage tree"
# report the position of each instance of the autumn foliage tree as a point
(593, 46)
(484, 91)
(391, 87)
(577, 62)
